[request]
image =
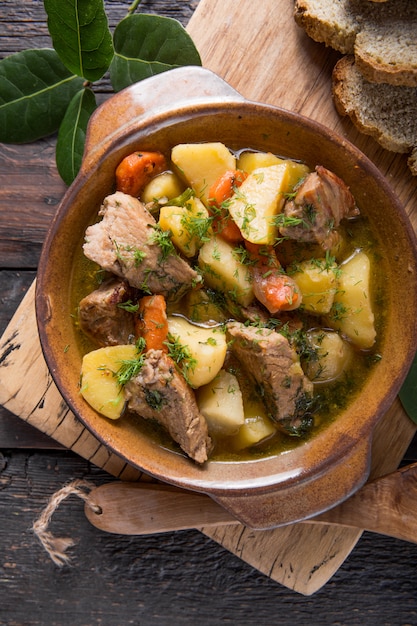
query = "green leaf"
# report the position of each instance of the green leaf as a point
(81, 36)
(408, 392)
(71, 136)
(35, 89)
(149, 44)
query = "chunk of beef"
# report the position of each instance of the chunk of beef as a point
(159, 392)
(254, 312)
(274, 365)
(124, 243)
(102, 319)
(321, 202)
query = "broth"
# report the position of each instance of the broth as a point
(332, 397)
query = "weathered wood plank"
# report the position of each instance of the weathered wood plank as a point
(29, 198)
(23, 25)
(213, 48)
(15, 433)
(13, 286)
(175, 578)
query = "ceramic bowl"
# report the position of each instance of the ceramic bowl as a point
(194, 105)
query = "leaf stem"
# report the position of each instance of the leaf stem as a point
(133, 6)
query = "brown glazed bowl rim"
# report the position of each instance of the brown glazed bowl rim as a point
(320, 473)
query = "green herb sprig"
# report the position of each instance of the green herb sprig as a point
(181, 356)
(129, 368)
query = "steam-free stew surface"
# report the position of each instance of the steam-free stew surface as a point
(228, 214)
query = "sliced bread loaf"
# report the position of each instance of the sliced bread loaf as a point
(386, 112)
(328, 22)
(381, 35)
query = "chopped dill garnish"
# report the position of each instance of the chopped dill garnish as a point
(289, 195)
(259, 177)
(197, 225)
(328, 263)
(137, 255)
(162, 238)
(130, 368)
(181, 355)
(286, 221)
(243, 256)
(216, 253)
(129, 306)
(310, 212)
(338, 311)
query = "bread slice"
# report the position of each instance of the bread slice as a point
(328, 22)
(386, 112)
(381, 35)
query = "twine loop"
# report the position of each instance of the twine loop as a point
(57, 546)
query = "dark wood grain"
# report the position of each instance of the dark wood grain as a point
(13, 431)
(29, 198)
(176, 578)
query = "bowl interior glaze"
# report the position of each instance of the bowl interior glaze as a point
(327, 469)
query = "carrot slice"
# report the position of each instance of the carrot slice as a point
(152, 323)
(137, 169)
(219, 193)
(264, 254)
(271, 286)
(276, 291)
(228, 229)
(223, 188)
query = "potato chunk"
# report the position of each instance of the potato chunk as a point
(221, 404)
(249, 161)
(333, 355)
(222, 270)
(99, 384)
(201, 305)
(317, 281)
(352, 313)
(201, 164)
(206, 348)
(188, 224)
(163, 187)
(256, 427)
(258, 200)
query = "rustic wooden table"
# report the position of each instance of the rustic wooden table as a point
(174, 578)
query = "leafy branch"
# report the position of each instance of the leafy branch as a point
(49, 90)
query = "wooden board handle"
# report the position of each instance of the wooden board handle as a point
(387, 506)
(146, 508)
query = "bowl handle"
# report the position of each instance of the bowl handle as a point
(131, 107)
(304, 499)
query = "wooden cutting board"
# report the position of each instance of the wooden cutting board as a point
(259, 50)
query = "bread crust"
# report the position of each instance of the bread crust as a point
(374, 71)
(381, 35)
(336, 30)
(385, 112)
